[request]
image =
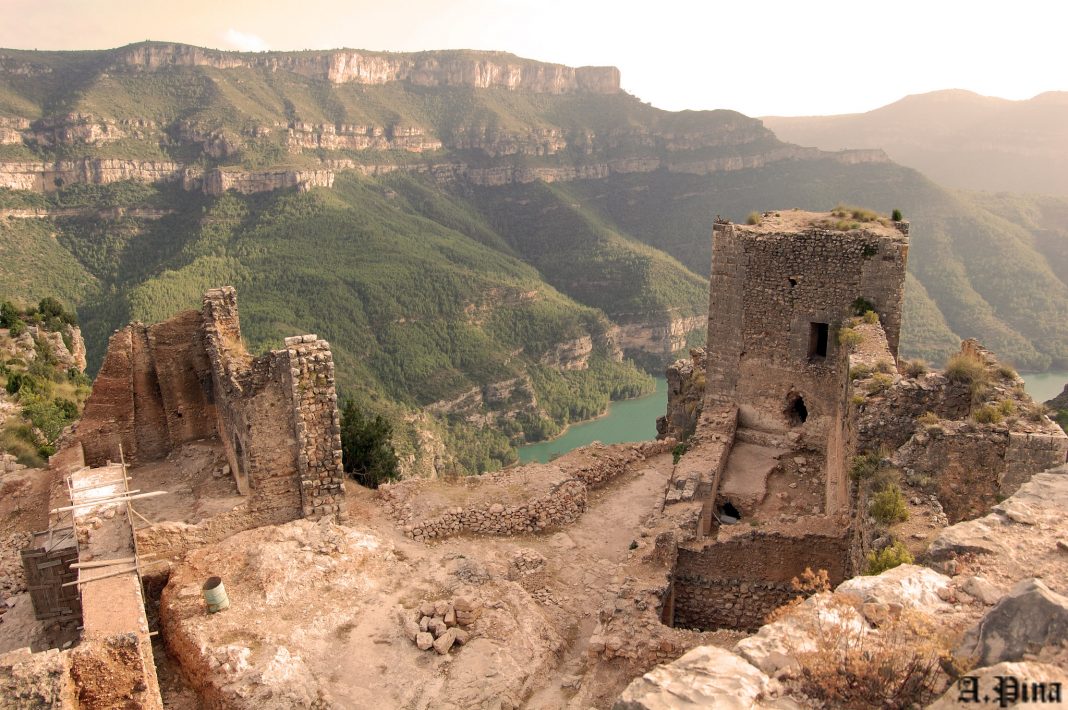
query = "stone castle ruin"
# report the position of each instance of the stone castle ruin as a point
(190, 378)
(794, 384)
(588, 570)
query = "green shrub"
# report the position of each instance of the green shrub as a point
(849, 338)
(864, 466)
(678, 451)
(886, 367)
(17, 328)
(8, 314)
(754, 218)
(928, 419)
(896, 215)
(887, 558)
(50, 416)
(987, 414)
(860, 371)
(1006, 372)
(858, 399)
(367, 447)
(964, 369)
(888, 505)
(915, 368)
(871, 317)
(880, 382)
(861, 305)
(1007, 407)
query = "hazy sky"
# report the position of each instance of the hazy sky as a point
(756, 56)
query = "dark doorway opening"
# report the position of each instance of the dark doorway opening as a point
(817, 340)
(796, 411)
(728, 514)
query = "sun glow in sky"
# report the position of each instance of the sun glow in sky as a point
(760, 57)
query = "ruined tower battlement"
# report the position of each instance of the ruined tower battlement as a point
(780, 292)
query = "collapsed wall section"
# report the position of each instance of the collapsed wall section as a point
(153, 393)
(277, 416)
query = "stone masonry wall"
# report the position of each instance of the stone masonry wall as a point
(735, 584)
(190, 377)
(107, 420)
(563, 505)
(562, 495)
(317, 424)
(769, 286)
(278, 417)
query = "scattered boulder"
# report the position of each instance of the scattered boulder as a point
(424, 641)
(705, 677)
(981, 589)
(445, 641)
(1027, 619)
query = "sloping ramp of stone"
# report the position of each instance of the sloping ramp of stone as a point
(745, 478)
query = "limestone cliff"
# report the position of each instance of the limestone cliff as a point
(442, 68)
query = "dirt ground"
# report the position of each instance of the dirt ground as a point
(542, 594)
(193, 476)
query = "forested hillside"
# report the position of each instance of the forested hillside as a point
(488, 264)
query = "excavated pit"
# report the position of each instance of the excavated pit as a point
(735, 583)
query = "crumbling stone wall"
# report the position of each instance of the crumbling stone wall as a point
(190, 378)
(686, 394)
(278, 419)
(153, 393)
(317, 424)
(971, 466)
(561, 499)
(736, 583)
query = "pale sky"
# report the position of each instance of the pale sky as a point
(760, 57)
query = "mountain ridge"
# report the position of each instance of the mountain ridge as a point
(959, 138)
(499, 258)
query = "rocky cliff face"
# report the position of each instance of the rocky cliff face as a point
(1060, 401)
(49, 177)
(466, 68)
(658, 335)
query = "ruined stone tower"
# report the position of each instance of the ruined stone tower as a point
(780, 292)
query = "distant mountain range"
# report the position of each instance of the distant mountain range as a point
(957, 138)
(479, 236)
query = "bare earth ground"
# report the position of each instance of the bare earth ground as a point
(317, 609)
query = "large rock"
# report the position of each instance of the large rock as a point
(1060, 401)
(1029, 618)
(967, 693)
(706, 677)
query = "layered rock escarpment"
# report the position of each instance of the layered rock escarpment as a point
(447, 68)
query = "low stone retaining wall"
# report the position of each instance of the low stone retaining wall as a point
(556, 494)
(564, 503)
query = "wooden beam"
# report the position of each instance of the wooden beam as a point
(119, 499)
(102, 563)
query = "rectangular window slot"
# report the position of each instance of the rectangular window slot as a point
(817, 340)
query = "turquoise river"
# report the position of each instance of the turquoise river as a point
(635, 419)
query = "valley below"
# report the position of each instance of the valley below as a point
(492, 259)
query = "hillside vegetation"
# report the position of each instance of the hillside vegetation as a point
(504, 306)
